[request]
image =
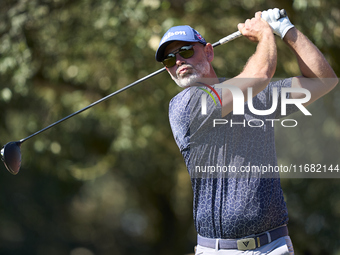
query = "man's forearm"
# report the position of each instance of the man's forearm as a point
(318, 76)
(263, 63)
(256, 74)
(311, 61)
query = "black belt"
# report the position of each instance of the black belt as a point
(246, 243)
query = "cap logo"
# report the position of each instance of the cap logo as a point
(168, 35)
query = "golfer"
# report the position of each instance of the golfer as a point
(234, 215)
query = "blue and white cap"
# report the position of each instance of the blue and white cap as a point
(178, 33)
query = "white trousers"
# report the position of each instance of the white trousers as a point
(281, 246)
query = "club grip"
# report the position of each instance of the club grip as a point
(238, 34)
(283, 13)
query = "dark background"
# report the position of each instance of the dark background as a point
(111, 180)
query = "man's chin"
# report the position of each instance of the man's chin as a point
(187, 81)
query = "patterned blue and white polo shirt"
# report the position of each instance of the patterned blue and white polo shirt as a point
(230, 205)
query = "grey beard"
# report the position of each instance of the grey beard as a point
(201, 70)
(187, 81)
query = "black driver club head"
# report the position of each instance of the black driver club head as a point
(11, 156)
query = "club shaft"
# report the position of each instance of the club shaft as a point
(95, 103)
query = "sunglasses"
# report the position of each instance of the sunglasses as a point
(184, 52)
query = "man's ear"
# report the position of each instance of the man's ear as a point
(209, 52)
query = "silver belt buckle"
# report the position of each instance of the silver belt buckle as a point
(246, 244)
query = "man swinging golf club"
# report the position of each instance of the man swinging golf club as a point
(244, 214)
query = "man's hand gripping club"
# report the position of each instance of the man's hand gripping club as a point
(255, 29)
(279, 25)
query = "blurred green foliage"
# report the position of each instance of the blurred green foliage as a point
(111, 180)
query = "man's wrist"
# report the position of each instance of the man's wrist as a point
(291, 35)
(286, 30)
(267, 35)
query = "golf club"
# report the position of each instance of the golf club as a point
(10, 152)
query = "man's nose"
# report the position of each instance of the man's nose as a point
(179, 60)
